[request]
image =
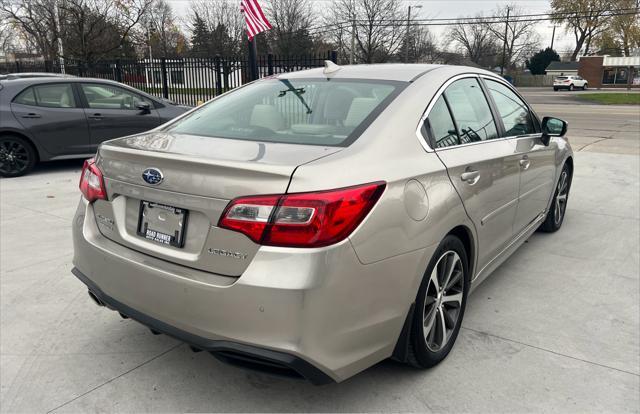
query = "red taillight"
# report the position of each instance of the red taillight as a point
(302, 220)
(92, 182)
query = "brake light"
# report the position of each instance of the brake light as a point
(304, 219)
(92, 182)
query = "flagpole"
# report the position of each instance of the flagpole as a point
(253, 59)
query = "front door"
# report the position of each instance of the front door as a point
(113, 112)
(51, 114)
(536, 160)
(483, 169)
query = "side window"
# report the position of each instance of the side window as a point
(111, 97)
(514, 112)
(57, 95)
(443, 130)
(471, 111)
(26, 97)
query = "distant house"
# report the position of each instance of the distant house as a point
(562, 68)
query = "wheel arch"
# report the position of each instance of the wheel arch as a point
(569, 162)
(26, 138)
(466, 237)
(464, 233)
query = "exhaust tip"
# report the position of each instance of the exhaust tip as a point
(95, 298)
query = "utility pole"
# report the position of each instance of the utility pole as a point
(60, 48)
(504, 45)
(407, 35)
(353, 34)
(553, 36)
(149, 44)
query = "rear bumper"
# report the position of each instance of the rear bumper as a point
(225, 350)
(320, 312)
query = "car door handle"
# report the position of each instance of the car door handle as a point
(525, 163)
(97, 117)
(470, 177)
(32, 115)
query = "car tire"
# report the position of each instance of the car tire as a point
(558, 209)
(571, 87)
(439, 309)
(555, 89)
(17, 156)
(584, 88)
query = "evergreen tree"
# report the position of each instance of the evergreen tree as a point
(539, 62)
(200, 38)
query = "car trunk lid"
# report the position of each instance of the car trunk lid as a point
(200, 175)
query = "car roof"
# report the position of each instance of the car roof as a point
(384, 71)
(55, 79)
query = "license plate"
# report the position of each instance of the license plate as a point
(162, 224)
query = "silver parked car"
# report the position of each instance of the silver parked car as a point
(319, 222)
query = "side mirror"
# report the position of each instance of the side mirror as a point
(144, 107)
(552, 127)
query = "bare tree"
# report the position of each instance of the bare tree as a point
(221, 24)
(518, 38)
(291, 21)
(624, 26)
(475, 39)
(378, 28)
(161, 30)
(422, 45)
(584, 18)
(89, 29)
(36, 20)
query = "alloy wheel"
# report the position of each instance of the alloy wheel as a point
(443, 303)
(561, 197)
(14, 157)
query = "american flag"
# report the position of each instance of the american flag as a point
(254, 17)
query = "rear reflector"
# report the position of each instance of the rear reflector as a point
(92, 182)
(302, 220)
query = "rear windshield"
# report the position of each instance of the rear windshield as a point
(298, 111)
(562, 77)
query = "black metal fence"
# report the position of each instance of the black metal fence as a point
(187, 81)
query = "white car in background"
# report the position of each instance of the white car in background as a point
(570, 83)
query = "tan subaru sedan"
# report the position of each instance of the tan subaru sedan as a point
(315, 223)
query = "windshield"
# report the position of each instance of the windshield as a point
(298, 111)
(562, 77)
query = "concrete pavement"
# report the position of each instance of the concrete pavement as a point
(556, 328)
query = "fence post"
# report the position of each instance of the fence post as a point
(165, 83)
(17, 66)
(118, 71)
(218, 69)
(333, 56)
(270, 64)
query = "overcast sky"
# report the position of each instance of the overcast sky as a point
(454, 8)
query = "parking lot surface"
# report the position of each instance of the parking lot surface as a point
(555, 328)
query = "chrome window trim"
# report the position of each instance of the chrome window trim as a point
(421, 138)
(424, 140)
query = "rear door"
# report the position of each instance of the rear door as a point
(536, 160)
(483, 169)
(112, 112)
(51, 114)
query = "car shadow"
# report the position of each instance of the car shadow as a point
(57, 166)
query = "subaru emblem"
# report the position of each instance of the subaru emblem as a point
(152, 176)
